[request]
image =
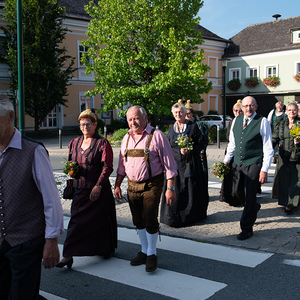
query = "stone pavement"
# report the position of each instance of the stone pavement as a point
(274, 231)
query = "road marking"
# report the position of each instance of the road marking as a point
(226, 254)
(230, 255)
(164, 282)
(291, 262)
(50, 296)
(217, 185)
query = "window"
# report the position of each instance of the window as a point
(51, 120)
(252, 72)
(81, 68)
(297, 71)
(271, 70)
(85, 102)
(235, 73)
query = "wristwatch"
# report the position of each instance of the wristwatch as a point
(171, 188)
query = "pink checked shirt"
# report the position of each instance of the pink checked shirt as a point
(161, 157)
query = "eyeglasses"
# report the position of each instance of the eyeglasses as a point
(251, 105)
(237, 110)
(87, 125)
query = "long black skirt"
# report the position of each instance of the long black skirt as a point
(92, 228)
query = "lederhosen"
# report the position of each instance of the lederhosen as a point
(144, 196)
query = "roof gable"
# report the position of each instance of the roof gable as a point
(264, 37)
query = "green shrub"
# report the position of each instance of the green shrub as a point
(119, 134)
(117, 124)
(199, 113)
(100, 126)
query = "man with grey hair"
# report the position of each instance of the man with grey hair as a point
(31, 215)
(146, 158)
(250, 143)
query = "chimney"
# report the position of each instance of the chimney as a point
(276, 16)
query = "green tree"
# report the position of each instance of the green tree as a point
(146, 53)
(47, 67)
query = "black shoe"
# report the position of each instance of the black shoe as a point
(68, 263)
(244, 235)
(151, 263)
(140, 259)
(288, 211)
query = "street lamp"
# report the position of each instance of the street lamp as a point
(224, 65)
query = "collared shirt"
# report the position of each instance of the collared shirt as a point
(266, 134)
(45, 182)
(161, 156)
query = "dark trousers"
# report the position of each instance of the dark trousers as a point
(144, 198)
(20, 269)
(247, 177)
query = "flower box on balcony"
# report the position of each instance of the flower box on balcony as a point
(251, 82)
(297, 77)
(272, 81)
(234, 84)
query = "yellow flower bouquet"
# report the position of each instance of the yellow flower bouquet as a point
(295, 131)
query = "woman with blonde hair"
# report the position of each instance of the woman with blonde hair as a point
(92, 228)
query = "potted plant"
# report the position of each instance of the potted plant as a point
(234, 84)
(272, 81)
(251, 82)
(297, 77)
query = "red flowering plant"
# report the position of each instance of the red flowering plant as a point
(297, 77)
(251, 82)
(272, 81)
(234, 84)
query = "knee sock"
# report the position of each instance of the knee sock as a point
(143, 240)
(152, 241)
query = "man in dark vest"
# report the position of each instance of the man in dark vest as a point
(31, 216)
(250, 143)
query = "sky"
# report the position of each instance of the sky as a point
(226, 18)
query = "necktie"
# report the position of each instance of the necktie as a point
(245, 124)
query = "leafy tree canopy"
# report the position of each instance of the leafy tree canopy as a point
(146, 53)
(47, 67)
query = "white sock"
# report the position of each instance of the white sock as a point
(152, 241)
(143, 240)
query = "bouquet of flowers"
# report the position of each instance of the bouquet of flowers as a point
(71, 168)
(220, 170)
(185, 142)
(295, 131)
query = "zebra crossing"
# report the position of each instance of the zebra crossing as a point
(165, 282)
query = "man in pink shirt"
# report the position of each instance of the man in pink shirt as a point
(146, 158)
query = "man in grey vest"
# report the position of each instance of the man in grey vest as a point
(31, 216)
(250, 143)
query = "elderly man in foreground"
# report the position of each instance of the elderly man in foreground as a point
(31, 215)
(146, 158)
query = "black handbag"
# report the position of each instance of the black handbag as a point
(69, 190)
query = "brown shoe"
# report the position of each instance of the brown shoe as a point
(151, 263)
(140, 259)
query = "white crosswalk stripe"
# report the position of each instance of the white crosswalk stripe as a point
(165, 282)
